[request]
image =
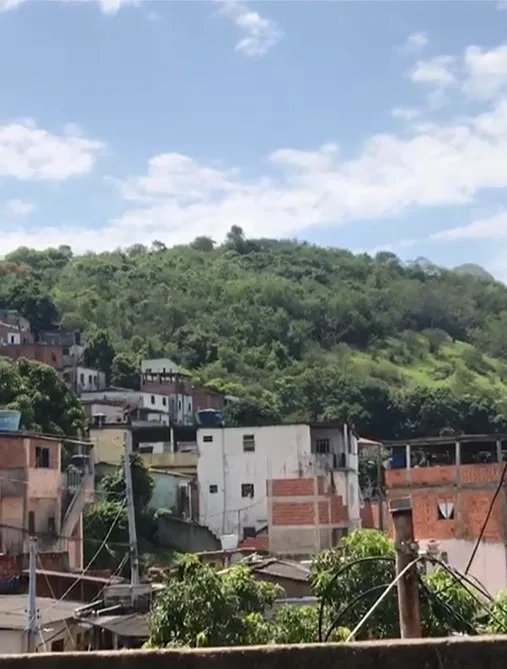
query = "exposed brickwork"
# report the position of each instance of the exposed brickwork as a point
(370, 517)
(474, 507)
(49, 355)
(293, 513)
(480, 473)
(339, 512)
(12, 452)
(324, 513)
(292, 487)
(206, 398)
(433, 476)
(14, 565)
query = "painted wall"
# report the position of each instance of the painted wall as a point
(108, 444)
(282, 451)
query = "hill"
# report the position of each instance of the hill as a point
(300, 332)
(474, 270)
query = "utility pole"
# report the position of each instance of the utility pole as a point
(32, 598)
(134, 553)
(406, 552)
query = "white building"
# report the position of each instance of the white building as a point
(85, 379)
(164, 406)
(159, 366)
(240, 471)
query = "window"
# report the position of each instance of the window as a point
(90, 379)
(153, 399)
(248, 443)
(164, 401)
(213, 489)
(249, 532)
(322, 446)
(51, 525)
(81, 379)
(41, 457)
(57, 646)
(445, 511)
(189, 407)
(31, 523)
(179, 405)
(65, 351)
(247, 490)
(208, 438)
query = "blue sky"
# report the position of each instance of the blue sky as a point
(365, 125)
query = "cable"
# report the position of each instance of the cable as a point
(480, 602)
(346, 567)
(81, 575)
(488, 515)
(63, 537)
(54, 597)
(445, 606)
(350, 605)
(381, 598)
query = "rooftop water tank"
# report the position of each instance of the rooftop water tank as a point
(9, 420)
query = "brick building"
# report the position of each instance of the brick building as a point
(307, 515)
(296, 483)
(37, 498)
(452, 485)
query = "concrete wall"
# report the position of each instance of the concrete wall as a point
(108, 443)
(424, 654)
(281, 452)
(185, 537)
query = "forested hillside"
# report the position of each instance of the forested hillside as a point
(297, 330)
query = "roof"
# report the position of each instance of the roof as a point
(450, 439)
(281, 569)
(130, 625)
(368, 442)
(76, 576)
(13, 608)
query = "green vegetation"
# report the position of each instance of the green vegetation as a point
(203, 607)
(45, 401)
(297, 331)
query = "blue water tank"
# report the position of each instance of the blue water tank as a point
(9, 420)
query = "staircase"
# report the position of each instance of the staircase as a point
(79, 487)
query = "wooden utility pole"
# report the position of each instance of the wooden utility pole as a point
(406, 552)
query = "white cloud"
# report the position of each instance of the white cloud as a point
(260, 33)
(405, 113)
(178, 197)
(19, 207)
(8, 4)
(491, 227)
(486, 71)
(416, 41)
(437, 70)
(29, 152)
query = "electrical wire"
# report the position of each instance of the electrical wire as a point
(460, 580)
(486, 520)
(350, 605)
(433, 595)
(343, 569)
(81, 575)
(382, 597)
(54, 597)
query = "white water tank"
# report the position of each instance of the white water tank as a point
(229, 541)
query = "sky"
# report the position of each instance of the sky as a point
(366, 125)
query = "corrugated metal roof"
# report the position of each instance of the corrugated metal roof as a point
(13, 611)
(131, 625)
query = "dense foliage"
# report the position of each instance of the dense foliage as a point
(203, 607)
(296, 330)
(46, 402)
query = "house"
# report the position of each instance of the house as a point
(14, 334)
(160, 446)
(174, 386)
(140, 406)
(171, 490)
(299, 481)
(13, 317)
(37, 498)
(57, 629)
(451, 482)
(84, 379)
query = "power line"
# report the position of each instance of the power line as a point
(54, 597)
(381, 598)
(486, 520)
(81, 575)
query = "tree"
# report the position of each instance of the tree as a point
(125, 372)
(99, 518)
(99, 352)
(251, 412)
(113, 485)
(201, 607)
(205, 244)
(46, 402)
(446, 606)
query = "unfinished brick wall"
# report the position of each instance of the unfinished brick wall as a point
(48, 355)
(12, 451)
